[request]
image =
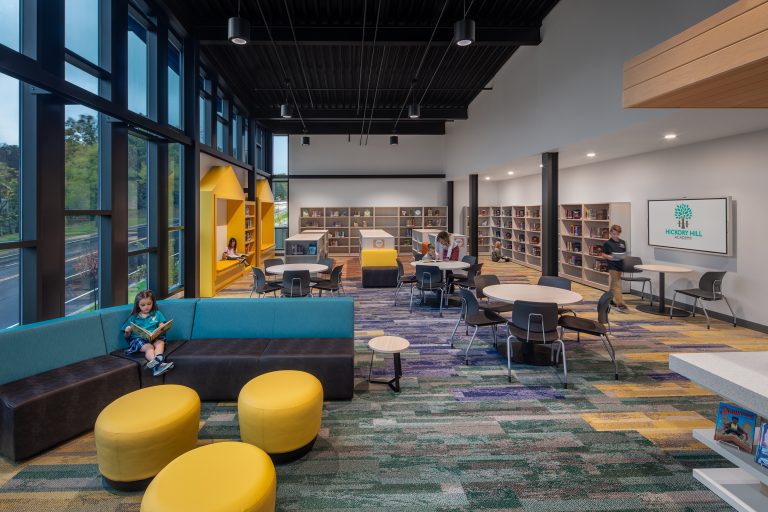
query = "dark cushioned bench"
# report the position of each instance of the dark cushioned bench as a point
(379, 277)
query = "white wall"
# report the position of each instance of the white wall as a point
(487, 195)
(569, 88)
(733, 166)
(362, 192)
(332, 154)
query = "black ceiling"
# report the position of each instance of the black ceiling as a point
(332, 94)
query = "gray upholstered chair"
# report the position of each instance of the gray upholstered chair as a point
(475, 317)
(710, 289)
(332, 285)
(403, 278)
(260, 284)
(536, 322)
(296, 283)
(599, 327)
(481, 282)
(428, 279)
(629, 274)
(271, 262)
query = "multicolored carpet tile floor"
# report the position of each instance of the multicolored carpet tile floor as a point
(460, 437)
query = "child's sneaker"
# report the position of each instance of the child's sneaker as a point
(162, 368)
(151, 364)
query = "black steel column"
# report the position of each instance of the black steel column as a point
(549, 214)
(473, 215)
(449, 202)
(191, 166)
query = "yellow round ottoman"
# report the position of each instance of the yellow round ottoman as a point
(219, 477)
(138, 434)
(280, 413)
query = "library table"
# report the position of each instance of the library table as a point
(312, 267)
(531, 293)
(662, 308)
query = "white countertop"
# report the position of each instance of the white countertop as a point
(306, 237)
(739, 377)
(531, 293)
(374, 233)
(662, 268)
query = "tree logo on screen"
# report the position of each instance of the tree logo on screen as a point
(683, 214)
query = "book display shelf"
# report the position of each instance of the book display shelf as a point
(344, 224)
(739, 377)
(250, 232)
(583, 229)
(518, 228)
(485, 227)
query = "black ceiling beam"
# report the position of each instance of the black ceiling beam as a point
(404, 127)
(351, 114)
(386, 36)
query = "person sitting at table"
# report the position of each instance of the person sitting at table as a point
(232, 254)
(431, 255)
(447, 248)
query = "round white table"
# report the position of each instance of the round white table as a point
(280, 269)
(389, 345)
(531, 293)
(662, 309)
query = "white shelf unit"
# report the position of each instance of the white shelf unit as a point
(739, 377)
(485, 227)
(345, 222)
(583, 229)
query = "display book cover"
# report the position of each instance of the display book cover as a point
(761, 452)
(151, 336)
(735, 426)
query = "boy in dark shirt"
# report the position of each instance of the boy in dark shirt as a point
(614, 250)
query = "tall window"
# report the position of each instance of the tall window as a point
(237, 134)
(137, 67)
(174, 83)
(81, 186)
(205, 109)
(83, 44)
(222, 123)
(280, 188)
(10, 24)
(10, 251)
(175, 218)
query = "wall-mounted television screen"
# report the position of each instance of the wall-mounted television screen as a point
(702, 225)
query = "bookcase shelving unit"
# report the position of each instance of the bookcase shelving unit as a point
(345, 222)
(583, 229)
(251, 234)
(518, 228)
(485, 227)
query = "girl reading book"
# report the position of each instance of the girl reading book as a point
(232, 253)
(146, 320)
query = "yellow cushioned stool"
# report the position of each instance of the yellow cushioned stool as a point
(280, 413)
(378, 258)
(219, 477)
(138, 434)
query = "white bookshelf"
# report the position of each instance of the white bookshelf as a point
(345, 222)
(738, 377)
(583, 229)
(485, 227)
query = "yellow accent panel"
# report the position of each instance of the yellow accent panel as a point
(263, 192)
(280, 411)
(222, 181)
(225, 264)
(669, 430)
(657, 389)
(218, 477)
(141, 432)
(379, 258)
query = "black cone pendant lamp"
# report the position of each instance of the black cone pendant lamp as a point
(286, 111)
(414, 110)
(238, 29)
(393, 140)
(464, 32)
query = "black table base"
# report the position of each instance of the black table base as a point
(655, 310)
(392, 383)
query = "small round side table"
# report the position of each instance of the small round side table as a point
(388, 345)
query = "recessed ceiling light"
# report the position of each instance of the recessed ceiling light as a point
(510, 172)
(590, 155)
(487, 178)
(670, 136)
(541, 166)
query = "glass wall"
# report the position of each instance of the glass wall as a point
(175, 95)
(204, 106)
(10, 23)
(10, 159)
(81, 158)
(280, 188)
(175, 218)
(222, 111)
(138, 193)
(81, 28)
(81, 264)
(137, 67)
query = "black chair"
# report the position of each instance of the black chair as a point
(462, 274)
(271, 262)
(417, 256)
(557, 282)
(260, 284)
(429, 278)
(594, 328)
(332, 285)
(710, 289)
(328, 262)
(496, 306)
(468, 281)
(475, 317)
(296, 283)
(403, 278)
(536, 322)
(472, 260)
(629, 274)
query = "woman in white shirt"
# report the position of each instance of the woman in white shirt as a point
(446, 247)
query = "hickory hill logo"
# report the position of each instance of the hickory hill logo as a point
(683, 215)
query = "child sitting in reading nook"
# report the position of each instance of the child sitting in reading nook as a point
(232, 253)
(147, 322)
(496, 254)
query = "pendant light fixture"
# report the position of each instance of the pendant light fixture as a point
(238, 29)
(286, 111)
(305, 139)
(393, 140)
(464, 30)
(414, 110)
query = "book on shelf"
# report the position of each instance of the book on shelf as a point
(151, 336)
(535, 251)
(534, 239)
(575, 230)
(735, 426)
(600, 266)
(596, 250)
(761, 449)
(597, 214)
(312, 249)
(573, 214)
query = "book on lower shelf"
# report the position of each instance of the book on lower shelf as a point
(735, 426)
(761, 450)
(600, 266)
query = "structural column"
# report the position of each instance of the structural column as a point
(473, 220)
(549, 214)
(191, 200)
(449, 202)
